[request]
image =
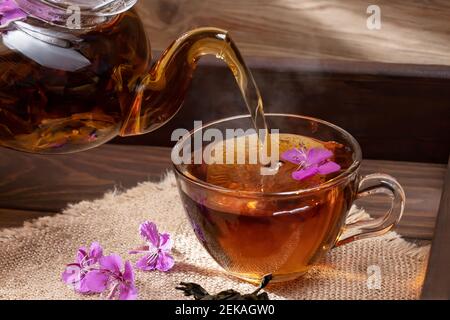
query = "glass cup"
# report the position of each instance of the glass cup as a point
(303, 224)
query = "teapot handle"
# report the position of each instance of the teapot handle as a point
(162, 91)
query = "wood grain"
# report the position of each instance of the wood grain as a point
(46, 184)
(413, 32)
(437, 282)
(15, 218)
(49, 183)
(395, 112)
(423, 185)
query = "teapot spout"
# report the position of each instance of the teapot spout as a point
(161, 92)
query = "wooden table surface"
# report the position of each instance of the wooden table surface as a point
(33, 186)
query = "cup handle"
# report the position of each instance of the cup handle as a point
(370, 185)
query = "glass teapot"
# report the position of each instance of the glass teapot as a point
(76, 73)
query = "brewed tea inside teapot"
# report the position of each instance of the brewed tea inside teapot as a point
(76, 73)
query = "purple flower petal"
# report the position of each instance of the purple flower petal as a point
(97, 281)
(311, 162)
(147, 262)
(329, 167)
(112, 283)
(95, 253)
(99, 274)
(165, 262)
(128, 274)
(72, 274)
(295, 156)
(81, 255)
(165, 242)
(149, 232)
(127, 292)
(305, 173)
(75, 273)
(318, 155)
(10, 12)
(82, 287)
(156, 256)
(112, 263)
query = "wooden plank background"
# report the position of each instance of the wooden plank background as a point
(413, 31)
(403, 115)
(389, 88)
(437, 282)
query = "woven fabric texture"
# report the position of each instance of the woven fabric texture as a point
(33, 257)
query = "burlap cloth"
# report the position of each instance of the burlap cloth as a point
(33, 257)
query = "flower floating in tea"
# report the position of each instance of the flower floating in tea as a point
(157, 251)
(110, 281)
(86, 260)
(311, 162)
(199, 293)
(10, 12)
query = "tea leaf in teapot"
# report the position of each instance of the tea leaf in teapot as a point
(199, 293)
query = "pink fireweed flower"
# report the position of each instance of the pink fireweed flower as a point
(86, 260)
(157, 251)
(311, 162)
(110, 281)
(10, 12)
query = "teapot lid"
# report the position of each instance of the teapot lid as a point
(75, 14)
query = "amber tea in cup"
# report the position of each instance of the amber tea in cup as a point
(254, 224)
